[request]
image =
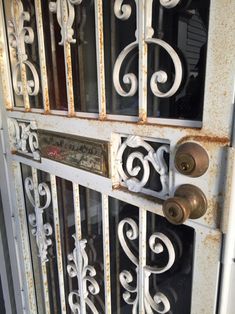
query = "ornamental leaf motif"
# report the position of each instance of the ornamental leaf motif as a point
(79, 267)
(24, 137)
(65, 14)
(40, 230)
(20, 36)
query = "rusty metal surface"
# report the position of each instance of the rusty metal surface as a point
(213, 136)
(100, 58)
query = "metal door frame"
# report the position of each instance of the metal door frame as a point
(215, 136)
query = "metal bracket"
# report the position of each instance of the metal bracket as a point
(2, 142)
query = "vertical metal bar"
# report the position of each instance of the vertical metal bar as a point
(58, 242)
(106, 249)
(100, 58)
(54, 61)
(77, 211)
(21, 217)
(42, 56)
(5, 64)
(115, 206)
(143, 56)
(43, 265)
(69, 78)
(78, 230)
(6, 291)
(142, 257)
(228, 255)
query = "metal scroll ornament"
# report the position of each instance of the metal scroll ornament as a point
(65, 14)
(20, 36)
(40, 230)
(158, 243)
(156, 158)
(123, 12)
(24, 138)
(79, 267)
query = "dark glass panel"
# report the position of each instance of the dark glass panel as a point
(185, 28)
(117, 35)
(54, 59)
(84, 58)
(118, 259)
(92, 231)
(176, 283)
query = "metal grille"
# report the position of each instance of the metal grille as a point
(123, 73)
(64, 60)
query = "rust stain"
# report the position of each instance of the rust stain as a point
(8, 104)
(213, 213)
(224, 141)
(101, 60)
(102, 116)
(69, 80)
(142, 116)
(212, 239)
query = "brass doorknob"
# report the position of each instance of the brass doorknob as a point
(189, 202)
(191, 159)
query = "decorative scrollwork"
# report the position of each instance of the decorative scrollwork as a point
(123, 12)
(65, 13)
(19, 36)
(40, 230)
(156, 158)
(169, 3)
(24, 137)
(158, 243)
(78, 267)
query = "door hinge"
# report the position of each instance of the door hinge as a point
(228, 190)
(2, 142)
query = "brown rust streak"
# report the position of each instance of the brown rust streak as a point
(8, 104)
(42, 57)
(102, 115)
(142, 116)
(69, 80)
(224, 141)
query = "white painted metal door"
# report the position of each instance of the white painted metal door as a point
(116, 114)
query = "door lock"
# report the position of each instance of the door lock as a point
(188, 202)
(191, 159)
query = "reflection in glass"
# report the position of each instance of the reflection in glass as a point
(54, 59)
(185, 28)
(84, 58)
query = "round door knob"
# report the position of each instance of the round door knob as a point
(188, 202)
(191, 159)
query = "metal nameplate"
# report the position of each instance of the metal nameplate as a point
(75, 151)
